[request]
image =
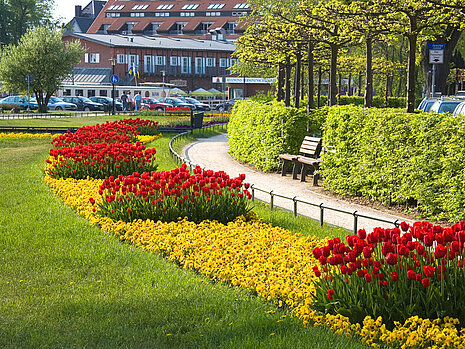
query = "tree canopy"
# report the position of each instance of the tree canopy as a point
(42, 54)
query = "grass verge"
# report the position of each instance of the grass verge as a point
(64, 283)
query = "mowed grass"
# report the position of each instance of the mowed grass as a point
(65, 284)
(92, 120)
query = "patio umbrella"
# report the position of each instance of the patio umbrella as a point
(177, 92)
(215, 92)
(201, 92)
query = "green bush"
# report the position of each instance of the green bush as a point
(259, 132)
(389, 155)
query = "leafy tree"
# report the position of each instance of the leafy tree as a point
(17, 16)
(42, 54)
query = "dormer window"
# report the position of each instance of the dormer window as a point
(140, 7)
(115, 8)
(190, 7)
(241, 6)
(215, 6)
(165, 7)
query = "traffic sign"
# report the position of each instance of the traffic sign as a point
(436, 53)
(29, 78)
(114, 79)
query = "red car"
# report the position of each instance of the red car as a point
(155, 104)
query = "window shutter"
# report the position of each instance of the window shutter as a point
(86, 58)
(97, 58)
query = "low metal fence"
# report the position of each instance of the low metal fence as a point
(322, 206)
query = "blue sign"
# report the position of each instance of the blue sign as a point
(434, 46)
(29, 78)
(114, 79)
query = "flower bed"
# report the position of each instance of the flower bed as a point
(280, 266)
(102, 151)
(275, 263)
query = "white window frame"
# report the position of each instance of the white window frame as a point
(121, 59)
(174, 61)
(185, 65)
(223, 63)
(149, 66)
(93, 58)
(210, 62)
(160, 60)
(200, 65)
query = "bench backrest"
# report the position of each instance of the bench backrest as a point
(311, 146)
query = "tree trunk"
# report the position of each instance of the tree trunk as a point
(332, 93)
(311, 83)
(349, 92)
(280, 92)
(287, 95)
(412, 44)
(319, 88)
(297, 82)
(359, 85)
(401, 60)
(368, 101)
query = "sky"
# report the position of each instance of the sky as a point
(65, 8)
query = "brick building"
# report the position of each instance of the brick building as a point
(186, 63)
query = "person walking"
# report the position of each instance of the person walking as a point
(129, 100)
(124, 100)
(137, 101)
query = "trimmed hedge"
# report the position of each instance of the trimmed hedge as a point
(259, 132)
(389, 155)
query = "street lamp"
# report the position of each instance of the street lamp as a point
(164, 93)
(113, 63)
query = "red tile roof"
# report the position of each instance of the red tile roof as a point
(167, 22)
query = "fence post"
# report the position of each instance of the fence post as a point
(253, 192)
(321, 214)
(355, 222)
(295, 205)
(271, 200)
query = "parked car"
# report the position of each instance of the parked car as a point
(198, 105)
(176, 102)
(226, 105)
(107, 103)
(459, 109)
(155, 104)
(55, 103)
(444, 106)
(426, 103)
(19, 101)
(83, 103)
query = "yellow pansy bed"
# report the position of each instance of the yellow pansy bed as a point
(141, 138)
(271, 261)
(26, 135)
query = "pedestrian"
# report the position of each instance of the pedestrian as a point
(124, 100)
(129, 100)
(137, 101)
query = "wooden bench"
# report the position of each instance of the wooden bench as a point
(307, 163)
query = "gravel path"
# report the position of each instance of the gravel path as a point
(212, 153)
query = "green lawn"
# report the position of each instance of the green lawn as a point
(65, 284)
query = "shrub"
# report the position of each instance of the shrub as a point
(419, 273)
(169, 196)
(392, 156)
(259, 132)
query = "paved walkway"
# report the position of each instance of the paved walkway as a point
(212, 153)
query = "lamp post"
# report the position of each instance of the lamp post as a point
(113, 63)
(164, 93)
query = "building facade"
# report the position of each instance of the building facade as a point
(186, 63)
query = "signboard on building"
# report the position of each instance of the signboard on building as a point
(242, 80)
(179, 83)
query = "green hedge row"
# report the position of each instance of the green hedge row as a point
(259, 132)
(389, 155)
(378, 101)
